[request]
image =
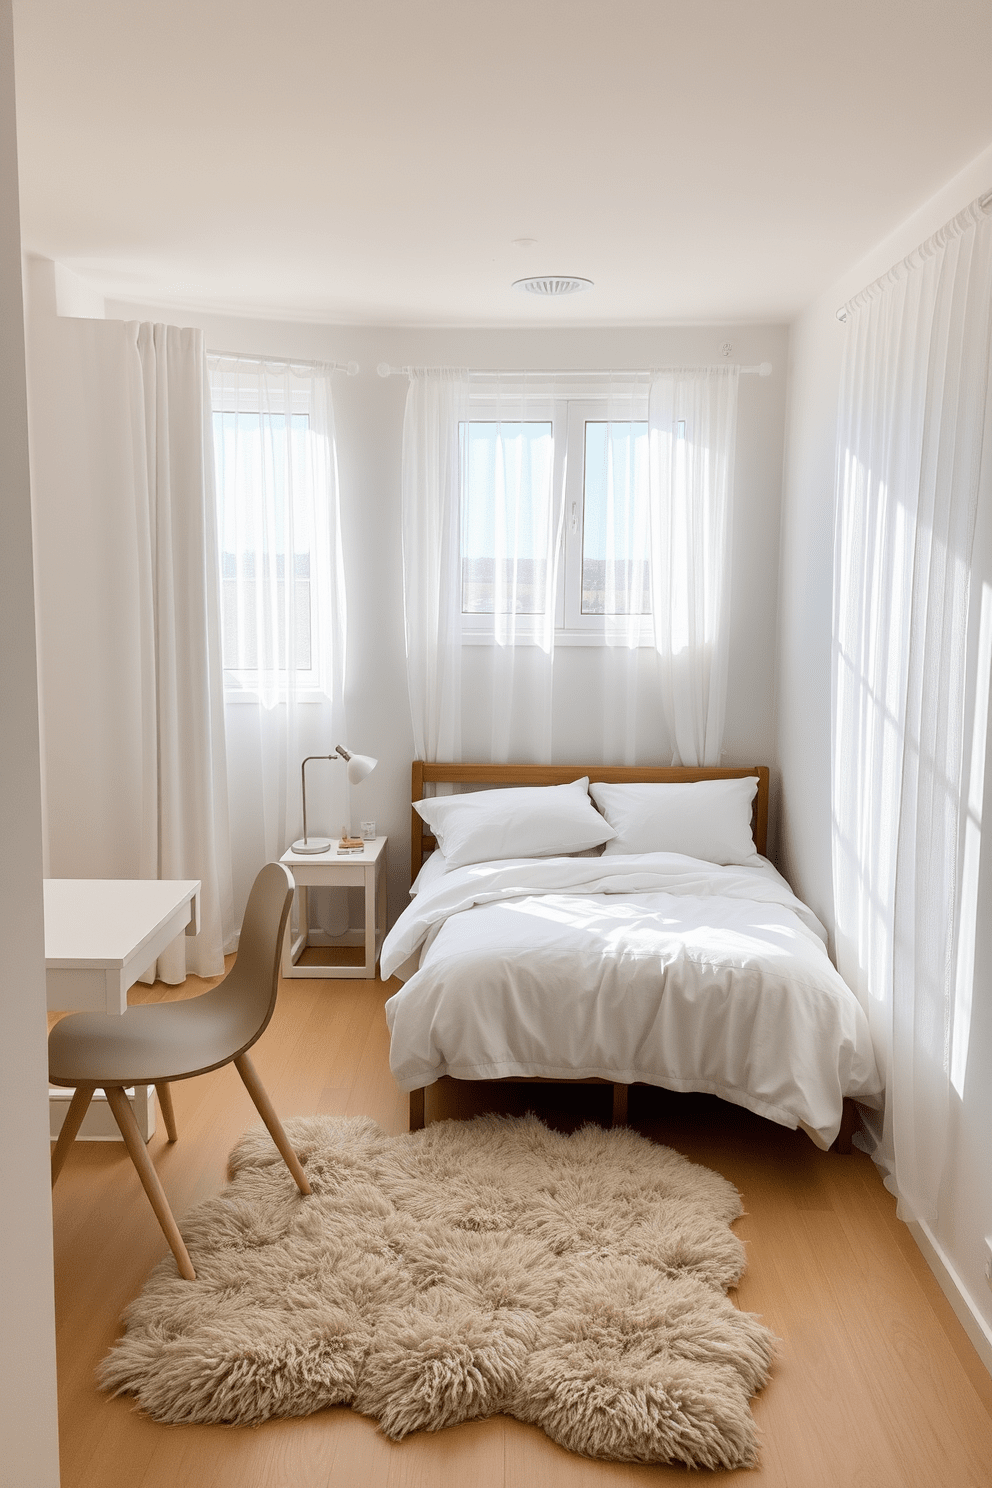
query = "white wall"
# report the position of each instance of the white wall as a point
(75, 296)
(369, 417)
(28, 1412)
(816, 349)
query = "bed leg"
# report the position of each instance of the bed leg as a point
(850, 1121)
(620, 1105)
(417, 1109)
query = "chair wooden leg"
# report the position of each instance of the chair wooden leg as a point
(164, 1093)
(417, 1109)
(620, 1105)
(150, 1182)
(267, 1111)
(78, 1106)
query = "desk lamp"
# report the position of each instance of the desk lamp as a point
(359, 765)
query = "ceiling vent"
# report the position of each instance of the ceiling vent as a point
(553, 284)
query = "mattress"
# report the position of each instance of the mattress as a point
(654, 968)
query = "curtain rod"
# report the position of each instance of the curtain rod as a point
(985, 205)
(351, 368)
(760, 369)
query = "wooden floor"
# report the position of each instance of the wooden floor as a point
(876, 1385)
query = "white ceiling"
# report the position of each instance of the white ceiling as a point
(373, 161)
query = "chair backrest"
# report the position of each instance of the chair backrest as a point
(253, 981)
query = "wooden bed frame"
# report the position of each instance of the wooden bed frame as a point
(423, 843)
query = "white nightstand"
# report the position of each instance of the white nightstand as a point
(328, 871)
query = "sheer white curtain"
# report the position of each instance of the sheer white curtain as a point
(128, 618)
(595, 503)
(616, 560)
(434, 458)
(912, 418)
(184, 830)
(481, 517)
(692, 416)
(511, 534)
(283, 599)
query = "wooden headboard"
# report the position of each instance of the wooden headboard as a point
(422, 841)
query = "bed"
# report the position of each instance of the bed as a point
(611, 964)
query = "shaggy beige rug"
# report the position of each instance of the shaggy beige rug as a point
(474, 1267)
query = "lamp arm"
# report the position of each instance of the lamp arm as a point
(303, 784)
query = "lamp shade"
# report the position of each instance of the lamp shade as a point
(360, 765)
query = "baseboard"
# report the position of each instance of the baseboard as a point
(98, 1123)
(971, 1320)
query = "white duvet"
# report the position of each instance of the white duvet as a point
(655, 967)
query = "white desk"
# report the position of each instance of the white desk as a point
(102, 933)
(327, 870)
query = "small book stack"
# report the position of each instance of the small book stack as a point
(349, 845)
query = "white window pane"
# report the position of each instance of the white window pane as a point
(506, 517)
(616, 575)
(246, 628)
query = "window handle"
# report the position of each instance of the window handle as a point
(575, 516)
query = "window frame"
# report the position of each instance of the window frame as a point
(568, 413)
(480, 629)
(579, 629)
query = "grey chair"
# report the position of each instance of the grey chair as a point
(157, 1043)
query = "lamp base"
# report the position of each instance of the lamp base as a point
(312, 845)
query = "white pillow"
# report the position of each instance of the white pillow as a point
(709, 819)
(531, 821)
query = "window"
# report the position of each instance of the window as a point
(277, 525)
(615, 580)
(555, 518)
(507, 515)
(259, 458)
